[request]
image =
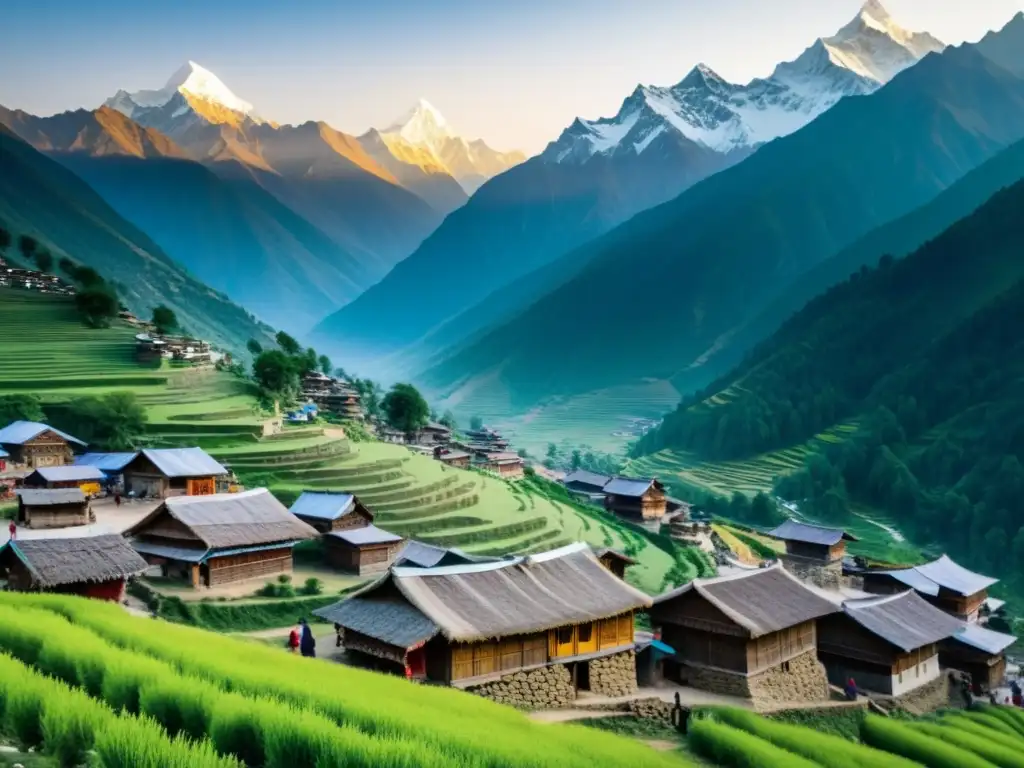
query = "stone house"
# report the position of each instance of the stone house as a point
(942, 582)
(978, 651)
(363, 551)
(163, 472)
(56, 508)
(813, 553)
(328, 511)
(32, 445)
(221, 538)
(636, 498)
(528, 631)
(889, 645)
(750, 634)
(93, 566)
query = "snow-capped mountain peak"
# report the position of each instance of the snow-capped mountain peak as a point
(421, 125)
(707, 109)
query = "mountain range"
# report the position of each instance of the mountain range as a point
(665, 294)
(597, 175)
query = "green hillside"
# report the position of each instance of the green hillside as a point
(42, 198)
(80, 677)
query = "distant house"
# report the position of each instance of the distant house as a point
(110, 464)
(813, 543)
(503, 463)
(328, 511)
(751, 634)
(94, 566)
(88, 479)
(35, 445)
(589, 483)
(217, 539)
(637, 498)
(558, 621)
(59, 508)
(459, 459)
(888, 645)
(978, 651)
(416, 554)
(363, 550)
(162, 472)
(614, 561)
(434, 434)
(942, 582)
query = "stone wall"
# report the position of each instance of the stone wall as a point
(929, 697)
(614, 675)
(725, 683)
(651, 709)
(544, 688)
(801, 679)
(824, 575)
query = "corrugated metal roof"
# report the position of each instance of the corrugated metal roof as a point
(184, 462)
(20, 432)
(44, 497)
(323, 505)
(69, 474)
(107, 462)
(955, 578)
(369, 534)
(627, 486)
(905, 620)
(984, 639)
(791, 530)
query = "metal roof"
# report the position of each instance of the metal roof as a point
(44, 497)
(184, 462)
(68, 474)
(628, 486)
(323, 505)
(369, 534)
(108, 462)
(586, 478)
(20, 432)
(984, 639)
(791, 530)
(905, 620)
(942, 573)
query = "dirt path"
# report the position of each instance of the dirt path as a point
(568, 715)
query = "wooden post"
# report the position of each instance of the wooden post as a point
(195, 575)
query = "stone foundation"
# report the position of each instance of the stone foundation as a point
(824, 575)
(801, 679)
(929, 697)
(544, 688)
(614, 675)
(651, 709)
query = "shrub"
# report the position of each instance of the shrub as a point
(984, 746)
(901, 739)
(731, 747)
(312, 586)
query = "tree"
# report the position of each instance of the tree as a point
(276, 373)
(576, 460)
(405, 409)
(5, 238)
(763, 510)
(309, 362)
(339, 373)
(287, 343)
(44, 260)
(552, 451)
(325, 365)
(369, 393)
(97, 304)
(67, 266)
(164, 319)
(448, 419)
(87, 277)
(116, 421)
(20, 408)
(476, 423)
(254, 347)
(27, 245)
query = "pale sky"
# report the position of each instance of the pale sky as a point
(512, 73)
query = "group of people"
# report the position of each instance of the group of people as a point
(301, 640)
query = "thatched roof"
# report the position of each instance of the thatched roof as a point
(50, 497)
(761, 601)
(57, 562)
(905, 620)
(468, 603)
(226, 520)
(791, 530)
(391, 620)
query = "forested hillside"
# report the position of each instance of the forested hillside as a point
(925, 355)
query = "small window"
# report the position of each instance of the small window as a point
(785, 666)
(565, 635)
(586, 631)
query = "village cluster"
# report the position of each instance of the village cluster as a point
(535, 631)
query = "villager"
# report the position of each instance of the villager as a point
(13, 530)
(293, 640)
(1015, 693)
(307, 644)
(851, 690)
(680, 715)
(117, 498)
(337, 632)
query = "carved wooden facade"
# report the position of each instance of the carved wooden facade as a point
(47, 449)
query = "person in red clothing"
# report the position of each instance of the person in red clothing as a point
(293, 640)
(13, 530)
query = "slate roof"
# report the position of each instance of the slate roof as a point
(369, 534)
(791, 530)
(323, 505)
(184, 462)
(68, 474)
(942, 573)
(416, 554)
(57, 562)
(227, 520)
(583, 477)
(983, 639)
(905, 620)
(20, 432)
(107, 462)
(762, 600)
(467, 603)
(391, 620)
(628, 486)
(45, 497)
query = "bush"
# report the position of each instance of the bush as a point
(312, 586)
(901, 739)
(984, 746)
(733, 748)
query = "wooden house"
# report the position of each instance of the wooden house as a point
(614, 561)
(750, 634)
(363, 551)
(475, 624)
(636, 498)
(88, 479)
(459, 459)
(59, 508)
(434, 434)
(328, 511)
(945, 584)
(586, 483)
(888, 645)
(813, 543)
(978, 651)
(163, 472)
(416, 554)
(222, 538)
(110, 464)
(502, 463)
(33, 445)
(93, 566)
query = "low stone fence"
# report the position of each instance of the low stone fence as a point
(543, 688)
